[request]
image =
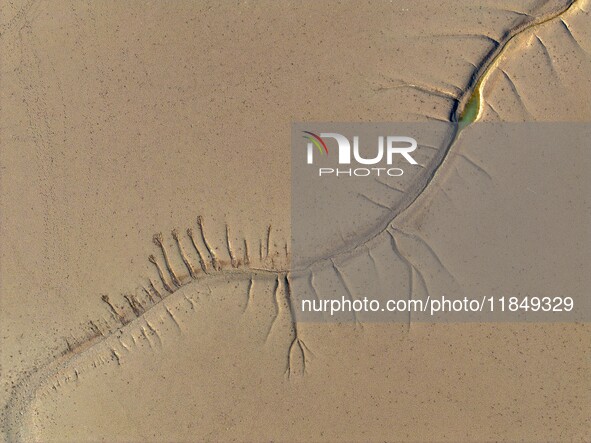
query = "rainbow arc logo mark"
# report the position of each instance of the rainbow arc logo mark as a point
(317, 140)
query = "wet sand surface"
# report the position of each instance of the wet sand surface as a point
(125, 120)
